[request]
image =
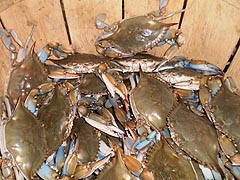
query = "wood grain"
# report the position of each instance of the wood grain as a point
(4, 66)
(81, 20)
(46, 15)
(4, 4)
(212, 30)
(141, 7)
(234, 69)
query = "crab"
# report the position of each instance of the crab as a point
(221, 101)
(27, 71)
(195, 135)
(151, 101)
(128, 37)
(36, 131)
(22, 137)
(78, 156)
(165, 163)
(183, 73)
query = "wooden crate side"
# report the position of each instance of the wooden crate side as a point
(46, 15)
(4, 4)
(141, 7)
(81, 20)
(4, 66)
(234, 69)
(211, 29)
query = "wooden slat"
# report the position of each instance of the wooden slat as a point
(234, 69)
(4, 4)
(46, 15)
(141, 7)
(81, 20)
(212, 30)
(4, 66)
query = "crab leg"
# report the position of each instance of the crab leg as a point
(198, 65)
(47, 173)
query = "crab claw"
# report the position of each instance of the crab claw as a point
(114, 86)
(71, 160)
(100, 24)
(22, 52)
(62, 74)
(58, 50)
(83, 171)
(163, 4)
(198, 65)
(104, 121)
(108, 129)
(6, 39)
(31, 102)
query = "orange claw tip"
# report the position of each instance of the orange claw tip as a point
(61, 74)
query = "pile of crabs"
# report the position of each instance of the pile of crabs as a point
(123, 114)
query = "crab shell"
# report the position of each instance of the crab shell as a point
(88, 140)
(131, 36)
(25, 140)
(28, 74)
(57, 119)
(195, 135)
(165, 163)
(151, 101)
(225, 109)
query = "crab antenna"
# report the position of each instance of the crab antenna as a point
(170, 15)
(29, 37)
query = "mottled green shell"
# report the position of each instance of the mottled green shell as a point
(56, 119)
(168, 165)
(88, 140)
(25, 76)
(226, 111)
(152, 100)
(195, 135)
(91, 84)
(136, 34)
(25, 140)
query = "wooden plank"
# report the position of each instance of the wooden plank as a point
(141, 7)
(212, 30)
(46, 15)
(4, 4)
(81, 20)
(4, 66)
(234, 69)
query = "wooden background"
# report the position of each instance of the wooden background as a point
(211, 28)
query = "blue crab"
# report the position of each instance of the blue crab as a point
(23, 137)
(77, 157)
(27, 71)
(196, 136)
(130, 36)
(165, 163)
(43, 131)
(152, 107)
(221, 101)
